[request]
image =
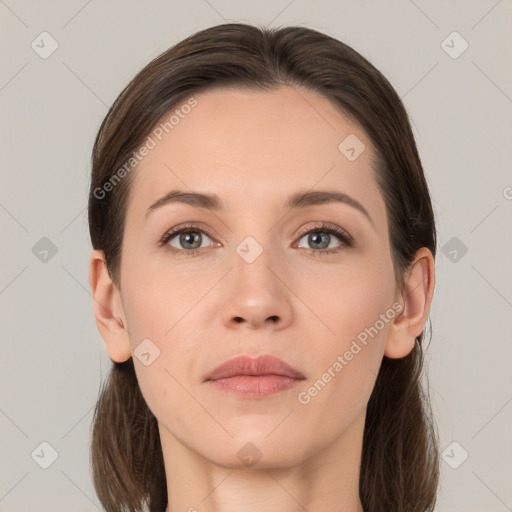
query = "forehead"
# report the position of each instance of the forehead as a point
(247, 145)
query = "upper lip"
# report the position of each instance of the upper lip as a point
(256, 366)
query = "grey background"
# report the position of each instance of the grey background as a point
(53, 359)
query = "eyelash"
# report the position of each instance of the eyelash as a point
(341, 234)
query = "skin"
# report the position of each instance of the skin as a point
(252, 149)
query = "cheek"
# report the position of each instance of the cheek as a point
(158, 297)
(349, 300)
(357, 308)
(347, 366)
(157, 311)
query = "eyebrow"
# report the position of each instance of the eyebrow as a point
(296, 200)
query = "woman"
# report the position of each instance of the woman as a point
(262, 271)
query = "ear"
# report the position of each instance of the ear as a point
(415, 298)
(108, 309)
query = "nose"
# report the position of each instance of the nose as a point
(256, 296)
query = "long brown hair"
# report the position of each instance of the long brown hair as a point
(400, 456)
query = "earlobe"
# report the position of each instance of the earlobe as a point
(108, 309)
(416, 297)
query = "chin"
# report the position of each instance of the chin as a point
(256, 450)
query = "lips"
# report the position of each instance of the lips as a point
(253, 378)
(253, 366)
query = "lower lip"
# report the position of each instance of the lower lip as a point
(252, 386)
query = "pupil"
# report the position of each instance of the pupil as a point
(189, 238)
(315, 236)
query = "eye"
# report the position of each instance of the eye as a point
(321, 237)
(189, 239)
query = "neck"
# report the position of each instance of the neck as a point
(328, 479)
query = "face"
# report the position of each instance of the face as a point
(312, 284)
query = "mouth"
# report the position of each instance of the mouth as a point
(251, 377)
